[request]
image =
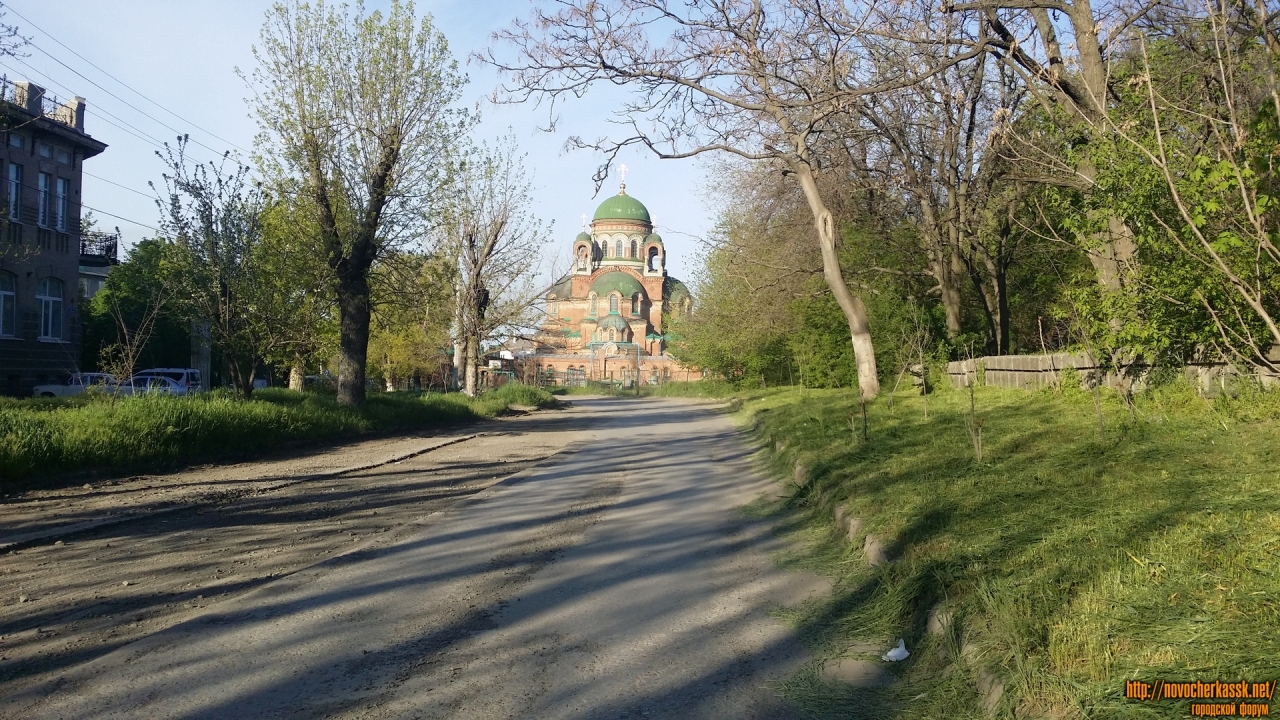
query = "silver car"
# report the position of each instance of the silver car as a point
(151, 384)
(77, 384)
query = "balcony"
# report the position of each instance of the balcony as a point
(99, 249)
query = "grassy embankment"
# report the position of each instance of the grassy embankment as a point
(41, 438)
(1071, 562)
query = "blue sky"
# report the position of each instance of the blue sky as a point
(183, 56)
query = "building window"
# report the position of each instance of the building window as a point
(15, 140)
(64, 157)
(49, 297)
(43, 182)
(653, 258)
(635, 304)
(613, 335)
(60, 203)
(15, 192)
(613, 303)
(43, 150)
(617, 249)
(591, 304)
(8, 305)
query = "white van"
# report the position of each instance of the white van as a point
(187, 378)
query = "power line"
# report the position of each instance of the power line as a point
(100, 113)
(135, 108)
(49, 193)
(126, 102)
(118, 80)
(122, 187)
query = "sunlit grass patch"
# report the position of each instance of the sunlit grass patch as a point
(1071, 559)
(44, 437)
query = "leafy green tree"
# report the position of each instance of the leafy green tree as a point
(358, 115)
(130, 292)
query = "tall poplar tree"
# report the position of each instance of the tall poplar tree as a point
(357, 110)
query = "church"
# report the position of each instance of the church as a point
(606, 318)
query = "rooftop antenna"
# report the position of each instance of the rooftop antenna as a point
(622, 186)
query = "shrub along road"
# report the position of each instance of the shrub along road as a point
(613, 579)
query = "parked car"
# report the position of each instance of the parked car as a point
(76, 384)
(188, 378)
(145, 384)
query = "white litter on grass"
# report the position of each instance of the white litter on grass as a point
(897, 654)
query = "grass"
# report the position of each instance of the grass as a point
(1071, 563)
(40, 438)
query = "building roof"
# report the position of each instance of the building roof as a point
(613, 320)
(673, 289)
(622, 207)
(617, 280)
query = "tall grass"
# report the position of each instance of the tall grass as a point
(46, 437)
(1070, 562)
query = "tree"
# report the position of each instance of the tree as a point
(412, 316)
(297, 288)
(489, 229)
(211, 222)
(1072, 84)
(357, 112)
(763, 81)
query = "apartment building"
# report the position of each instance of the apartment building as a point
(41, 164)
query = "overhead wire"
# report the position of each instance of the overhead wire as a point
(118, 80)
(100, 113)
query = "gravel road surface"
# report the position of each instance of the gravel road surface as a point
(575, 564)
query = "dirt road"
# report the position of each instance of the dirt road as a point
(572, 564)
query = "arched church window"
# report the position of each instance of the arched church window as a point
(613, 303)
(634, 252)
(613, 335)
(635, 304)
(617, 248)
(591, 304)
(551, 307)
(653, 258)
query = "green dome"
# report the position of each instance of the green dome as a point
(674, 289)
(613, 321)
(620, 281)
(582, 236)
(622, 207)
(653, 237)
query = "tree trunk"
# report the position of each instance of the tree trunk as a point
(353, 340)
(473, 357)
(298, 374)
(855, 311)
(459, 344)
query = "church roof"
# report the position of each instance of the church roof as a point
(622, 207)
(613, 320)
(562, 289)
(673, 289)
(623, 282)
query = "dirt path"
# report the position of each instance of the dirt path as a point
(613, 579)
(235, 528)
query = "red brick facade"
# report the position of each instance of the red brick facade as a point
(606, 317)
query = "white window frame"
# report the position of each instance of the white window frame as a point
(42, 199)
(62, 188)
(9, 306)
(615, 303)
(617, 248)
(52, 323)
(15, 192)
